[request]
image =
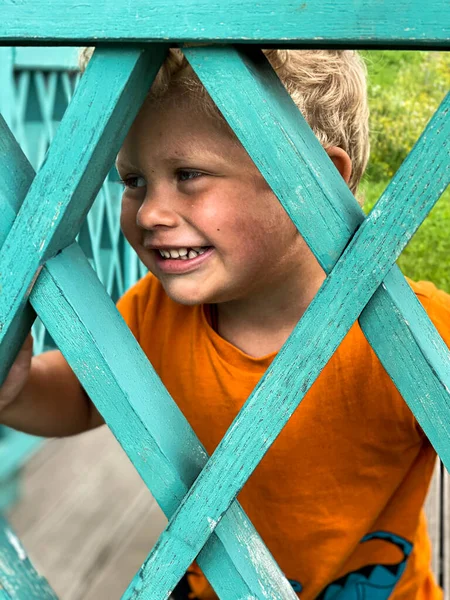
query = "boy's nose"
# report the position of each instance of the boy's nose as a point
(157, 211)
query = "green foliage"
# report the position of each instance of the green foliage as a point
(405, 88)
(427, 256)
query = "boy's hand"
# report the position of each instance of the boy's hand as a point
(18, 374)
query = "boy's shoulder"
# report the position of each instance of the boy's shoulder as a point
(429, 291)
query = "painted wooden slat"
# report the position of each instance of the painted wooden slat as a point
(6, 88)
(63, 59)
(18, 579)
(364, 264)
(16, 175)
(96, 122)
(314, 23)
(152, 430)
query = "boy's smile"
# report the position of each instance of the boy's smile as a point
(198, 212)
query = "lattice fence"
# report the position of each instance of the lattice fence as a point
(47, 272)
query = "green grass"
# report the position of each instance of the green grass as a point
(427, 256)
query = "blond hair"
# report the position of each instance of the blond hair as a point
(328, 86)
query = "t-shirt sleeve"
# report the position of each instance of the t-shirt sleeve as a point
(133, 303)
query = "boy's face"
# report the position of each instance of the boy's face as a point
(192, 190)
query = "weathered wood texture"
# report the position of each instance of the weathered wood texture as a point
(313, 23)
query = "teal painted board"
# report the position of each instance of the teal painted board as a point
(106, 102)
(15, 447)
(56, 59)
(7, 56)
(329, 205)
(315, 23)
(16, 175)
(366, 261)
(18, 578)
(72, 313)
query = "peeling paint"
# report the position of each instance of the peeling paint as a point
(15, 543)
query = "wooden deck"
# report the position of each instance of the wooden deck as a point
(86, 518)
(88, 521)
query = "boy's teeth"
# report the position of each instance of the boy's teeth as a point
(182, 253)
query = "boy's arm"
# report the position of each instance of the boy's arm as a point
(52, 402)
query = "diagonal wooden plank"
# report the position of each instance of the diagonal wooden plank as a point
(363, 266)
(167, 455)
(316, 23)
(327, 214)
(18, 579)
(104, 106)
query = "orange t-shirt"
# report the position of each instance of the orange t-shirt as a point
(351, 462)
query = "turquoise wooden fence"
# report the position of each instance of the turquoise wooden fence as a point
(44, 271)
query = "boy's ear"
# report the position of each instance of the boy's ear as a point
(341, 161)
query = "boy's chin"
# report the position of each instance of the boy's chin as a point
(187, 294)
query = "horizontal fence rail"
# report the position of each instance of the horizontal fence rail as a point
(311, 23)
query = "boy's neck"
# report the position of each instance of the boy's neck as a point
(260, 326)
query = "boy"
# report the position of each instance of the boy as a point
(338, 498)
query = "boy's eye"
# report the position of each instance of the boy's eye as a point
(188, 174)
(133, 182)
